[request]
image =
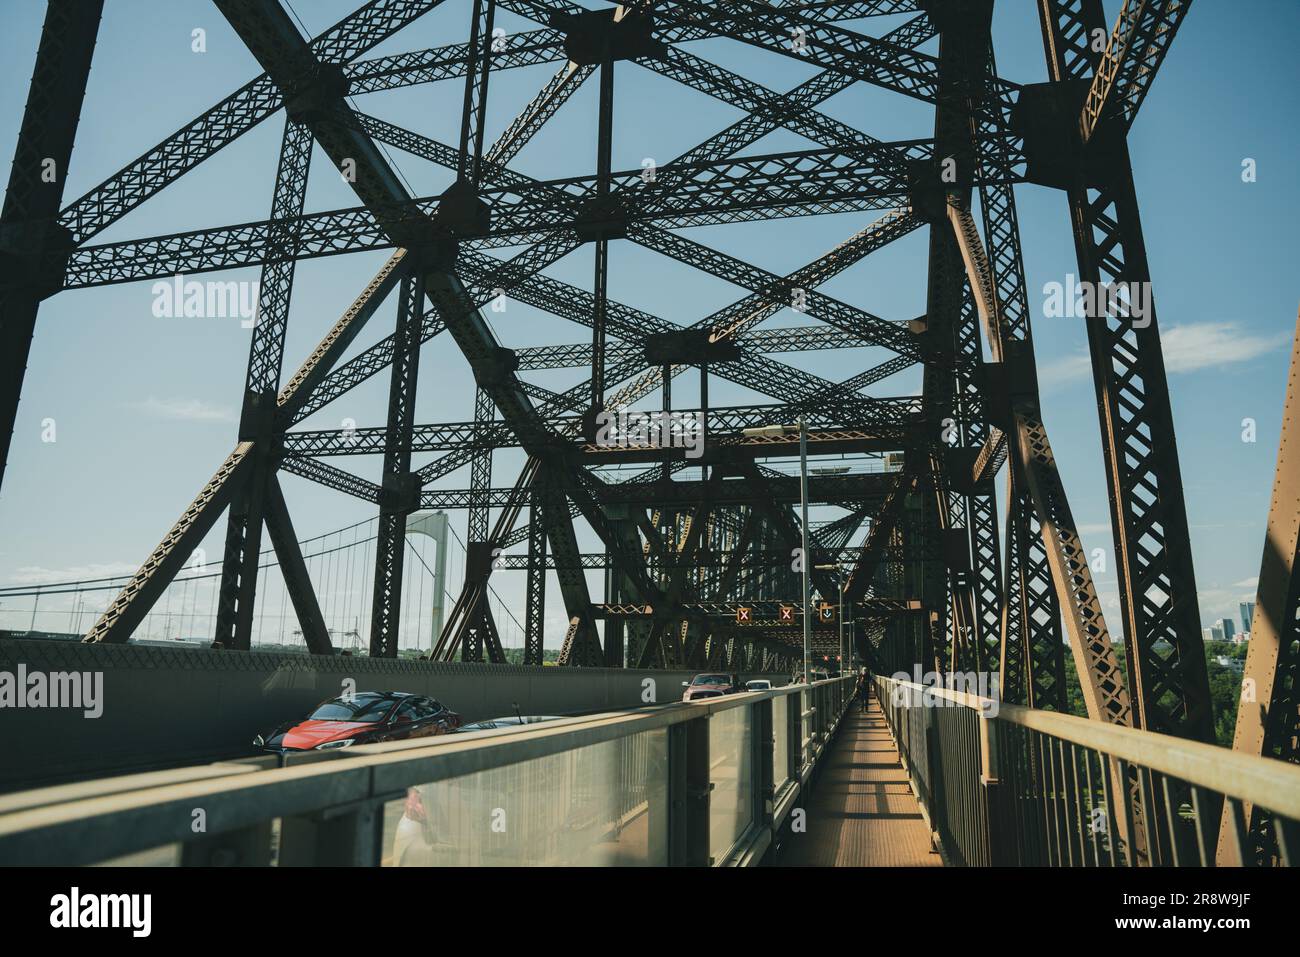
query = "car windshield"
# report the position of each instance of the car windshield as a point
(710, 680)
(760, 685)
(366, 708)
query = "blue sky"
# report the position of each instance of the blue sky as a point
(146, 408)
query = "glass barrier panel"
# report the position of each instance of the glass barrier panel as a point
(781, 732)
(731, 771)
(603, 805)
(806, 723)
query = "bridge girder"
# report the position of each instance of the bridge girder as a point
(929, 528)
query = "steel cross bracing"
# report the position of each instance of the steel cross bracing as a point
(929, 572)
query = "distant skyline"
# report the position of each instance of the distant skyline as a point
(146, 407)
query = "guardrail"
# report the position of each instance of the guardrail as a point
(705, 783)
(221, 699)
(1007, 785)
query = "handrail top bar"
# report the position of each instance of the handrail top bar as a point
(1253, 778)
(119, 784)
(964, 698)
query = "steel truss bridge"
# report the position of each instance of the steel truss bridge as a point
(938, 576)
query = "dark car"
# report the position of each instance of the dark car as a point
(366, 717)
(818, 674)
(512, 721)
(711, 685)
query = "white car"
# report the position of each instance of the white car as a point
(758, 684)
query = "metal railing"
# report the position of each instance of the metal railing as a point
(705, 783)
(1006, 785)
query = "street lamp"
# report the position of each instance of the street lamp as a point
(773, 431)
(838, 569)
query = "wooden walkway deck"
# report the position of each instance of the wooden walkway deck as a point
(862, 813)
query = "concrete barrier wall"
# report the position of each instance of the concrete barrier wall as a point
(164, 706)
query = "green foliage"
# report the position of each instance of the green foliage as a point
(1225, 686)
(1225, 692)
(515, 656)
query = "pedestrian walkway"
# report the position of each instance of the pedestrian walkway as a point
(861, 812)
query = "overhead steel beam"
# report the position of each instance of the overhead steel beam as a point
(1138, 44)
(369, 25)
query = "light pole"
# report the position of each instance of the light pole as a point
(863, 622)
(838, 569)
(771, 431)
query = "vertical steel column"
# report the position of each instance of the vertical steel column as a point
(963, 41)
(480, 479)
(1268, 714)
(1041, 650)
(480, 483)
(805, 557)
(535, 588)
(401, 489)
(1031, 622)
(478, 69)
(604, 150)
(33, 246)
(257, 422)
(1011, 658)
(1157, 586)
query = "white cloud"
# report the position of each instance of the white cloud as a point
(1201, 345)
(38, 575)
(1064, 371)
(1187, 348)
(185, 410)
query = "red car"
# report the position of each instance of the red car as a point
(363, 718)
(711, 686)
